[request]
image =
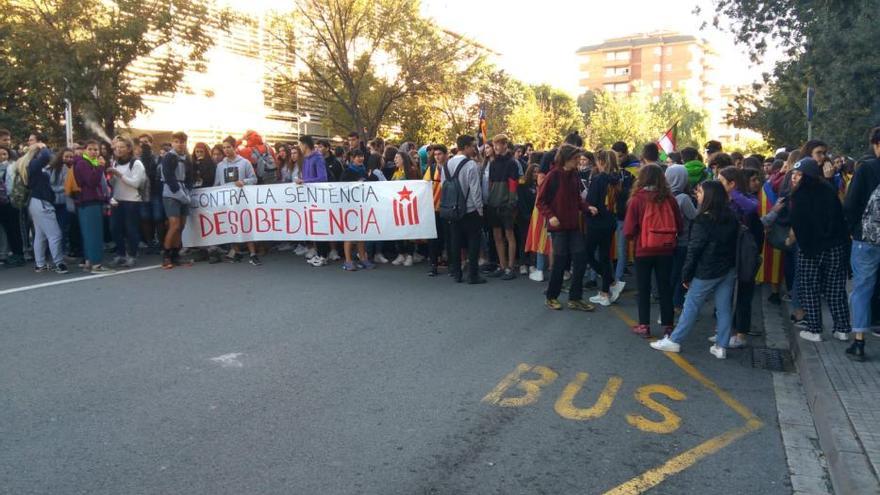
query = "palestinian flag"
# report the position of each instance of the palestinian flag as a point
(667, 142)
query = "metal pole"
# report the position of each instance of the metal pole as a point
(68, 122)
(809, 130)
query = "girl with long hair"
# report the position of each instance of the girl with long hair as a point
(538, 239)
(653, 220)
(128, 178)
(404, 169)
(708, 269)
(89, 172)
(204, 166)
(600, 226)
(58, 169)
(745, 207)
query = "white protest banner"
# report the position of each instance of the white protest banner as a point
(344, 211)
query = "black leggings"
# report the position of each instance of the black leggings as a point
(645, 268)
(600, 238)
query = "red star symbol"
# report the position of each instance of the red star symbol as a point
(404, 194)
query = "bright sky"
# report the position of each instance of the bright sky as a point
(538, 39)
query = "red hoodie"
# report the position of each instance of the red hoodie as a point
(632, 224)
(560, 196)
(254, 142)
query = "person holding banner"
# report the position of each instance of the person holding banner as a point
(234, 169)
(355, 172)
(314, 170)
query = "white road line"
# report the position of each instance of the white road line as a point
(77, 279)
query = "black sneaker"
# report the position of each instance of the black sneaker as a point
(41, 269)
(495, 273)
(433, 271)
(875, 332)
(61, 268)
(856, 351)
(477, 281)
(255, 260)
(508, 275)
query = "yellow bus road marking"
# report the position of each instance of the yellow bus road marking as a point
(679, 463)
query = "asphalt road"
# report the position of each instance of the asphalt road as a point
(291, 379)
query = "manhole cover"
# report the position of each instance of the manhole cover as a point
(766, 358)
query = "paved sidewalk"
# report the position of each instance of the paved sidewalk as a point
(844, 398)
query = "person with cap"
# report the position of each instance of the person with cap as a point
(820, 229)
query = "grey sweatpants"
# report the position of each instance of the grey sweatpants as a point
(46, 230)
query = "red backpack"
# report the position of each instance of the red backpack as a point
(658, 227)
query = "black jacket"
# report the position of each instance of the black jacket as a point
(863, 183)
(334, 169)
(626, 181)
(711, 251)
(597, 194)
(817, 217)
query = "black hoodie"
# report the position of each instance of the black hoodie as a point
(817, 217)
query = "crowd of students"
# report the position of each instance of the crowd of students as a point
(682, 223)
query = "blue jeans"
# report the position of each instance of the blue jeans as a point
(864, 258)
(541, 262)
(677, 267)
(621, 252)
(697, 294)
(125, 222)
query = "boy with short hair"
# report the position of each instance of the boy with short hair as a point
(237, 170)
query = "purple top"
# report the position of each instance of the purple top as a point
(88, 178)
(314, 169)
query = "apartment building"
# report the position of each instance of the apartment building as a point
(663, 61)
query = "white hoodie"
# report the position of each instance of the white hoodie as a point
(126, 186)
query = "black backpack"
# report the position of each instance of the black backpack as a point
(453, 202)
(748, 255)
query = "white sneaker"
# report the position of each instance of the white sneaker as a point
(844, 336)
(408, 260)
(523, 270)
(601, 300)
(417, 258)
(285, 246)
(736, 343)
(379, 258)
(399, 260)
(713, 339)
(616, 288)
(143, 245)
(311, 253)
(333, 256)
(666, 345)
(300, 250)
(719, 352)
(532, 270)
(118, 260)
(317, 261)
(811, 336)
(536, 276)
(566, 275)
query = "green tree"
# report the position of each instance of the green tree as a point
(831, 46)
(87, 50)
(363, 59)
(637, 119)
(674, 107)
(561, 113)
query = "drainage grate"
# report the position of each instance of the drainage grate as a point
(766, 358)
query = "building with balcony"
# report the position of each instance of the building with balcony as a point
(663, 61)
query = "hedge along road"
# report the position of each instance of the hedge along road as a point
(286, 378)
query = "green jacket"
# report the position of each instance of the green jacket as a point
(697, 172)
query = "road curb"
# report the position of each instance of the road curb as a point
(848, 464)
